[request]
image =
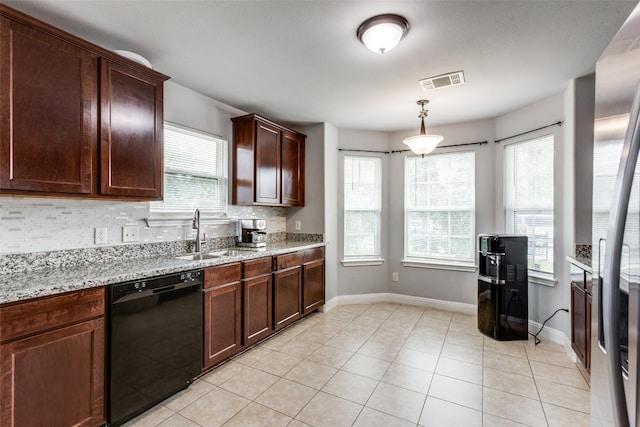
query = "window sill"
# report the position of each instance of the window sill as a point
(542, 279)
(453, 266)
(168, 219)
(362, 262)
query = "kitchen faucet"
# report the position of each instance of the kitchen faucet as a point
(196, 226)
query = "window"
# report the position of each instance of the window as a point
(440, 208)
(362, 207)
(195, 174)
(529, 198)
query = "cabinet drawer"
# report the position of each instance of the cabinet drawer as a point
(257, 267)
(228, 273)
(28, 318)
(289, 260)
(314, 254)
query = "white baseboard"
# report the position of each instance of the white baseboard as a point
(548, 333)
(407, 299)
(555, 336)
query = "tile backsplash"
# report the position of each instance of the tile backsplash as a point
(39, 224)
(583, 251)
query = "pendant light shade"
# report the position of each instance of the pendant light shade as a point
(382, 33)
(423, 144)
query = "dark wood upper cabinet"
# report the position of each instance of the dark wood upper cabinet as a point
(131, 138)
(75, 119)
(48, 111)
(292, 169)
(268, 167)
(267, 164)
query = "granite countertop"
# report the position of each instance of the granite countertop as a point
(582, 262)
(23, 286)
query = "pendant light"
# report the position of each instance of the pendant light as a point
(382, 33)
(423, 144)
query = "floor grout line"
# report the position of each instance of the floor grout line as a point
(453, 334)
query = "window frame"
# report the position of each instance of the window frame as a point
(441, 262)
(376, 257)
(160, 217)
(535, 275)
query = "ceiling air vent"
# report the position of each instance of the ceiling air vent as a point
(443, 80)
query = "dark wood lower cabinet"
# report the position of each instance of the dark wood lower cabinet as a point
(246, 303)
(287, 298)
(313, 278)
(222, 314)
(52, 361)
(257, 287)
(258, 318)
(55, 378)
(588, 327)
(579, 336)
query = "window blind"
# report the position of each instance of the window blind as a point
(440, 207)
(195, 172)
(529, 192)
(362, 206)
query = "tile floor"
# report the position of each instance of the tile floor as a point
(384, 365)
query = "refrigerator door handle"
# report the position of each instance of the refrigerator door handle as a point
(613, 254)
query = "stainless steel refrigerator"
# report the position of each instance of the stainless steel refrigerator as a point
(616, 232)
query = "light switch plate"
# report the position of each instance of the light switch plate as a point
(100, 236)
(130, 233)
(298, 225)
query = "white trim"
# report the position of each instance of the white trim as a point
(329, 305)
(439, 265)
(359, 262)
(542, 279)
(555, 336)
(407, 299)
(168, 219)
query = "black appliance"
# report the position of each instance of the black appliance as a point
(503, 287)
(155, 341)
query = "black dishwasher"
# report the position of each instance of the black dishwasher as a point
(155, 341)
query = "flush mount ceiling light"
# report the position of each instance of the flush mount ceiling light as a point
(423, 144)
(382, 33)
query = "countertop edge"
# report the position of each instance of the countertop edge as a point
(24, 286)
(582, 263)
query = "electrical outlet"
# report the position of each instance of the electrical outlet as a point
(100, 236)
(394, 276)
(130, 233)
(298, 225)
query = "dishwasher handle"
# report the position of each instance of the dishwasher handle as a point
(146, 293)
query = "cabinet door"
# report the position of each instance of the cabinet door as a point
(54, 378)
(48, 112)
(258, 320)
(131, 143)
(588, 332)
(292, 169)
(578, 322)
(222, 323)
(287, 298)
(312, 286)
(267, 164)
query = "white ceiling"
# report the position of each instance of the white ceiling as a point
(300, 61)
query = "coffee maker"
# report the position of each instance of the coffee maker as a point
(253, 233)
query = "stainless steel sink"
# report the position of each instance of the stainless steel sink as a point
(216, 254)
(229, 252)
(198, 257)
